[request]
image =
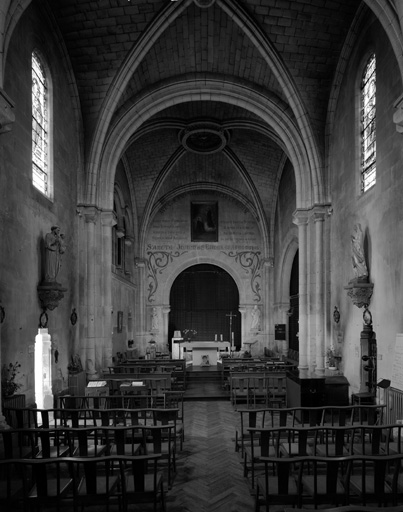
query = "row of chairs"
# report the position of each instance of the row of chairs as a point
(59, 442)
(255, 389)
(332, 481)
(80, 481)
(33, 418)
(274, 417)
(328, 441)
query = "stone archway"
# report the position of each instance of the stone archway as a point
(201, 298)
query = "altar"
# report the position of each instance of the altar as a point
(202, 351)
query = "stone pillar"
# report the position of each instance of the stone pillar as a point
(267, 323)
(301, 220)
(165, 321)
(91, 255)
(140, 318)
(319, 217)
(105, 308)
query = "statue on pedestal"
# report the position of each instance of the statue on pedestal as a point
(256, 313)
(358, 257)
(55, 246)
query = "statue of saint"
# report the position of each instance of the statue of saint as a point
(55, 246)
(255, 326)
(357, 247)
(154, 320)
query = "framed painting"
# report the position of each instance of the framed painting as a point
(204, 221)
(120, 321)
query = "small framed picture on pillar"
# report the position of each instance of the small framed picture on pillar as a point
(120, 321)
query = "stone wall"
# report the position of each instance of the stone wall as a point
(379, 210)
(26, 215)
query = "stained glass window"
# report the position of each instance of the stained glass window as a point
(40, 133)
(368, 125)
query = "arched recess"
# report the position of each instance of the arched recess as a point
(195, 260)
(285, 265)
(284, 276)
(308, 180)
(201, 298)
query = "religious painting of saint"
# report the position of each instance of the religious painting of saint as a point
(204, 221)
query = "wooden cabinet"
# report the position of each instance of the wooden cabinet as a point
(77, 383)
(305, 389)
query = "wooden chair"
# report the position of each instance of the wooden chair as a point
(21, 417)
(278, 486)
(174, 400)
(143, 482)
(277, 390)
(333, 441)
(100, 480)
(239, 389)
(12, 485)
(52, 483)
(248, 418)
(264, 442)
(259, 390)
(168, 417)
(373, 479)
(159, 440)
(296, 441)
(323, 480)
(17, 444)
(369, 440)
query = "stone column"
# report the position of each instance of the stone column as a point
(165, 321)
(319, 217)
(104, 320)
(90, 215)
(268, 324)
(7, 118)
(140, 318)
(301, 220)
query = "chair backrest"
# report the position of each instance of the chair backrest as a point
(20, 417)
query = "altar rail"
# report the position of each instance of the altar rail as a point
(394, 405)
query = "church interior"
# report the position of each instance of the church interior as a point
(201, 180)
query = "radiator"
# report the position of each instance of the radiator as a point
(394, 405)
(14, 401)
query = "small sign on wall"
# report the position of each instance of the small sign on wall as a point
(279, 332)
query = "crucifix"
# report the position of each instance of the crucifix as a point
(231, 334)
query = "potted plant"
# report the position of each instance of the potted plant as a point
(332, 358)
(8, 379)
(189, 334)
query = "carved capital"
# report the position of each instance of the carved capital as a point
(90, 213)
(7, 116)
(301, 217)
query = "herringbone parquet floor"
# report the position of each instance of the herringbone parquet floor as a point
(209, 472)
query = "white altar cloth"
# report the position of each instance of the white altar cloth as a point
(211, 349)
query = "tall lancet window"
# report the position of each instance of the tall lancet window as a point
(368, 125)
(40, 126)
